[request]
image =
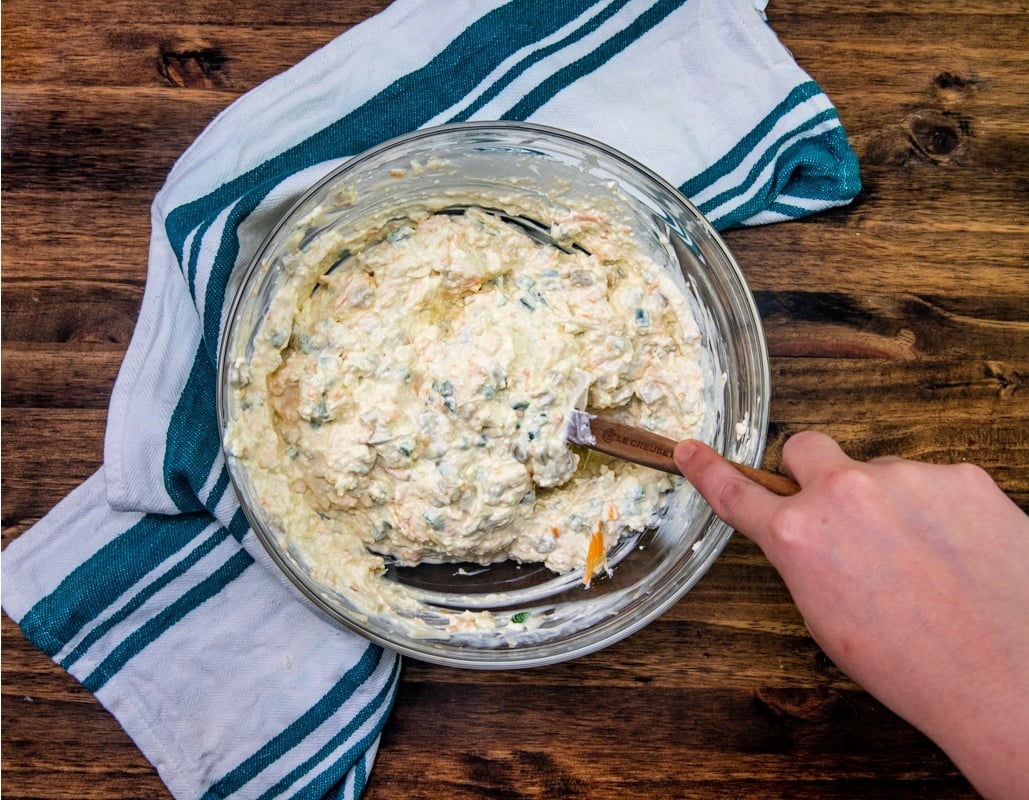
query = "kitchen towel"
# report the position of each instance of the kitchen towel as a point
(146, 583)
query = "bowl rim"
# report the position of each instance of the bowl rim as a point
(311, 591)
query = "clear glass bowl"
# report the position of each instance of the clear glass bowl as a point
(533, 167)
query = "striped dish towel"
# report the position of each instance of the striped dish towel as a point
(142, 583)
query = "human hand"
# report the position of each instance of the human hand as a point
(913, 578)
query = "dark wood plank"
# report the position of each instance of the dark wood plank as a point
(106, 139)
(58, 741)
(82, 234)
(58, 375)
(669, 742)
(898, 324)
(47, 453)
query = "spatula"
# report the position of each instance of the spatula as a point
(652, 450)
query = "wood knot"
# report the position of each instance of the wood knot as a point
(935, 132)
(1007, 379)
(804, 704)
(953, 88)
(936, 136)
(192, 64)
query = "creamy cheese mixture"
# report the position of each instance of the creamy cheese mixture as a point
(409, 398)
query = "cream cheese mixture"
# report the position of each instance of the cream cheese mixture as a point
(407, 399)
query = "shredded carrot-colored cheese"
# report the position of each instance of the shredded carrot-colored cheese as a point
(594, 556)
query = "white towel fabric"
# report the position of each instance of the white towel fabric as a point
(142, 583)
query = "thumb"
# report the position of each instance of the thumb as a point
(735, 498)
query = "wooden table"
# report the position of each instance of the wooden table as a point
(899, 324)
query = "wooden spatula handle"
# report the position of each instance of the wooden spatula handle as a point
(634, 444)
(655, 451)
(772, 481)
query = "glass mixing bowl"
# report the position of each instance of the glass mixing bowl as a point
(522, 169)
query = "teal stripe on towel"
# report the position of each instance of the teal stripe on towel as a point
(806, 153)
(193, 259)
(321, 785)
(101, 579)
(222, 265)
(193, 441)
(296, 734)
(218, 490)
(403, 106)
(536, 56)
(748, 143)
(824, 169)
(237, 528)
(359, 779)
(132, 645)
(769, 153)
(829, 170)
(239, 525)
(592, 61)
(132, 605)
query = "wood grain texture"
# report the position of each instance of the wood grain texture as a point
(898, 324)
